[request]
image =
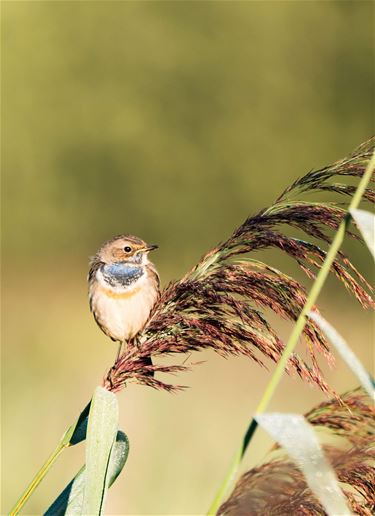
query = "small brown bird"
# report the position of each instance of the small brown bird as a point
(123, 287)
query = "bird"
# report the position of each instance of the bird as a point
(123, 287)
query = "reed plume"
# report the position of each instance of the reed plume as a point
(278, 487)
(220, 303)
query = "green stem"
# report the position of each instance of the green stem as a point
(295, 335)
(68, 439)
(38, 478)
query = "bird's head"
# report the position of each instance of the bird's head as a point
(127, 249)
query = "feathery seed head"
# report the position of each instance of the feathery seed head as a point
(220, 303)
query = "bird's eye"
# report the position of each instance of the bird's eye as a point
(127, 249)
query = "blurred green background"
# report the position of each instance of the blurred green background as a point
(172, 121)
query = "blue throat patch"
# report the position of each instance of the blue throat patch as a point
(122, 274)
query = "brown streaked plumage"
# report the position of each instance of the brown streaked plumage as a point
(123, 287)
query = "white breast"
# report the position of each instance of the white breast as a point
(122, 314)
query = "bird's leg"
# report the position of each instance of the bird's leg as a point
(119, 350)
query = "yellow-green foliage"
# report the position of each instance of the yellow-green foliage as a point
(171, 120)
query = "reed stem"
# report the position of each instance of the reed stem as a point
(293, 339)
(70, 437)
(39, 476)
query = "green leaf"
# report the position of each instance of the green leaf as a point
(297, 436)
(77, 432)
(101, 433)
(345, 351)
(366, 224)
(70, 501)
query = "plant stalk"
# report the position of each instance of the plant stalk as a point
(295, 335)
(38, 478)
(68, 439)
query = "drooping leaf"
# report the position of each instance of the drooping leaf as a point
(345, 351)
(294, 433)
(366, 224)
(70, 501)
(346, 430)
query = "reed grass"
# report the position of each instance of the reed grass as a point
(220, 303)
(346, 431)
(296, 333)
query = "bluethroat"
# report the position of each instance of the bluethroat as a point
(123, 287)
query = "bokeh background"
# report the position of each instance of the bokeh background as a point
(172, 121)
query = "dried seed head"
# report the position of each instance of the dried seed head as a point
(278, 486)
(220, 303)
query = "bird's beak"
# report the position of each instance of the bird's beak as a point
(151, 247)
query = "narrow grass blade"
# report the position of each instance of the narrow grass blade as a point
(366, 224)
(70, 501)
(101, 433)
(345, 352)
(295, 434)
